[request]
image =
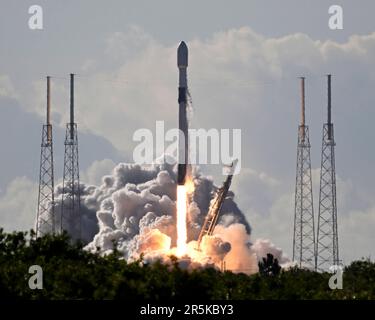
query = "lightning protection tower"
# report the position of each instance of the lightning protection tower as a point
(45, 219)
(70, 212)
(304, 233)
(327, 247)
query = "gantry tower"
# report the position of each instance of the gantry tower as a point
(327, 247)
(70, 212)
(304, 233)
(45, 219)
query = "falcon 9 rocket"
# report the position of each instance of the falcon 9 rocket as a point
(183, 143)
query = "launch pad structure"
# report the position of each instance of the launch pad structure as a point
(214, 211)
(45, 219)
(71, 203)
(304, 232)
(320, 252)
(327, 247)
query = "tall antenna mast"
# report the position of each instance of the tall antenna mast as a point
(45, 220)
(302, 126)
(71, 203)
(302, 101)
(327, 248)
(48, 120)
(329, 107)
(304, 233)
(71, 106)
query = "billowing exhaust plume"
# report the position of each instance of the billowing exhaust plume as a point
(135, 209)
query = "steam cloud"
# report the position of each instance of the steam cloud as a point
(134, 209)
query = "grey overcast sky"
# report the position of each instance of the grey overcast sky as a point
(246, 57)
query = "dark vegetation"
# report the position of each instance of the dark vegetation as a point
(69, 272)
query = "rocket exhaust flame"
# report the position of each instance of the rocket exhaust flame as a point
(181, 220)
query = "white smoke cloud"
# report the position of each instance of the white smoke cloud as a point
(134, 208)
(136, 200)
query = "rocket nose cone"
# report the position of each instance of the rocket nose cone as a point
(182, 45)
(182, 55)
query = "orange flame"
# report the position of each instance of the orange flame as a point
(189, 185)
(181, 220)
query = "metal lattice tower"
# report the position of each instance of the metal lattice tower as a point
(304, 233)
(70, 212)
(45, 219)
(327, 247)
(212, 216)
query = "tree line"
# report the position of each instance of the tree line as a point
(70, 272)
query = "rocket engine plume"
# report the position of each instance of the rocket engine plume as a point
(181, 220)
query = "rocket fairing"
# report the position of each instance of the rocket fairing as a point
(183, 144)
